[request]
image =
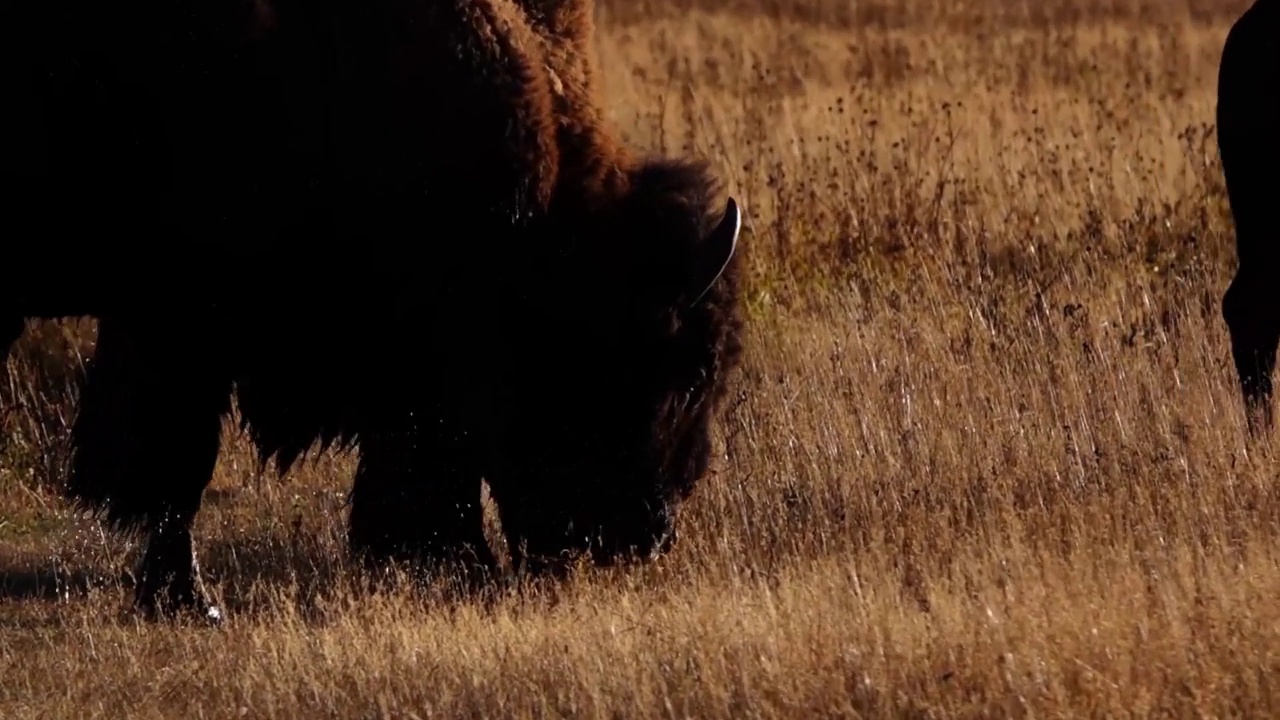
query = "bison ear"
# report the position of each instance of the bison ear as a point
(716, 250)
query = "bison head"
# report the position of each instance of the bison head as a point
(627, 326)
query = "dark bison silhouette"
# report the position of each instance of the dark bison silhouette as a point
(1249, 143)
(396, 225)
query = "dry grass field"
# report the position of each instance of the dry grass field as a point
(986, 457)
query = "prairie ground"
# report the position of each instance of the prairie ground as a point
(986, 457)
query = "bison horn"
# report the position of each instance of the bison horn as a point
(715, 252)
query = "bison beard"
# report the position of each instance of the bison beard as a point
(576, 306)
(1249, 142)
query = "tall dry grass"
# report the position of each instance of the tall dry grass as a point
(985, 459)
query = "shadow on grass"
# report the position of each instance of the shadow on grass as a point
(50, 581)
(247, 577)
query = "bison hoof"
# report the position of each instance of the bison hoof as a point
(208, 614)
(178, 604)
(213, 615)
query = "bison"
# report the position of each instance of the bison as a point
(1248, 119)
(400, 226)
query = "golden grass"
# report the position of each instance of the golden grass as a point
(986, 457)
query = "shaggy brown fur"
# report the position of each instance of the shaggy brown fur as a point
(1249, 142)
(377, 168)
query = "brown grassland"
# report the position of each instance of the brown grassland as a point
(986, 457)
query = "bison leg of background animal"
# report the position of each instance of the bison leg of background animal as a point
(146, 439)
(1252, 312)
(416, 500)
(1248, 117)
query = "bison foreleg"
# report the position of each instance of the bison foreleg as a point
(146, 440)
(416, 500)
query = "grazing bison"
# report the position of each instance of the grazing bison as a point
(1249, 143)
(398, 225)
